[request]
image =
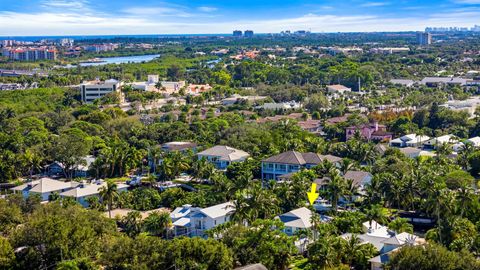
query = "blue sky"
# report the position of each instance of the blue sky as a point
(93, 17)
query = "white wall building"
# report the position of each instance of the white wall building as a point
(92, 90)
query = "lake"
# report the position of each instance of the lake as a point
(122, 60)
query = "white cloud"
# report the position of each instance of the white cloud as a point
(469, 2)
(161, 20)
(207, 9)
(157, 11)
(374, 4)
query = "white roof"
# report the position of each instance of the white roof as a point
(182, 222)
(443, 139)
(218, 210)
(181, 212)
(475, 141)
(225, 153)
(83, 190)
(45, 185)
(403, 238)
(298, 218)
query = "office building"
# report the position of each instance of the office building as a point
(248, 33)
(424, 38)
(237, 33)
(93, 90)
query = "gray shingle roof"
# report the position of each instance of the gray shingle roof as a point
(225, 153)
(297, 158)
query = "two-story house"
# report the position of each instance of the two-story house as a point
(44, 187)
(194, 221)
(83, 191)
(221, 156)
(370, 132)
(292, 161)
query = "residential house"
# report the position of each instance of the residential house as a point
(312, 126)
(384, 240)
(44, 187)
(370, 132)
(194, 221)
(291, 105)
(58, 169)
(236, 98)
(360, 179)
(475, 142)
(433, 143)
(338, 89)
(179, 146)
(222, 156)
(83, 191)
(403, 82)
(409, 140)
(196, 89)
(292, 161)
(440, 81)
(412, 152)
(298, 219)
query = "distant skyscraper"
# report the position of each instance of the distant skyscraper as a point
(237, 33)
(424, 38)
(248, 33)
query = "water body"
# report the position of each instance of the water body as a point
(122, 60)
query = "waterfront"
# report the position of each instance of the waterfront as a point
(121, 60)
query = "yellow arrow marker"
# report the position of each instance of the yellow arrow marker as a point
(312, 195)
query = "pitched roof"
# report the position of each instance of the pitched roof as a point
(297, 158)
(403, 238)
(83, 190)
(218, 210)
(298, 218)
(45, 185)
(356, 176)
(338, 87)
(289, 157)
(226, 153)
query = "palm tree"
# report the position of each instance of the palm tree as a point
(335, 187)
(32, 161)
(158, 223)
(400, 225)
(464, 155)
(109, 195)
(132, 223)
(376, 213)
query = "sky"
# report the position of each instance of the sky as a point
(115, 17)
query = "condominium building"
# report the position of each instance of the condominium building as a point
(30, 53)
(91, 90)
(424, 38)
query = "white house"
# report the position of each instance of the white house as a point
(338, 89)
(44, 187)
(412, 152)
(83, 191)
(221, 156)
(475, 141)
(295, 220)
(435, 142)
(194, 221)
(409, 140)
(291, 105)
(384, 240)
(149, 85)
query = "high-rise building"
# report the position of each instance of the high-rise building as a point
(248, 33)
(424, 38)
(237, 33)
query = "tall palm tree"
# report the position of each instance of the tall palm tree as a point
(335, 187)
(109, 195)
(375, 213)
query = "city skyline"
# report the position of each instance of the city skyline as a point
(85, 17)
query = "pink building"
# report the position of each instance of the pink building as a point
(370, 131)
